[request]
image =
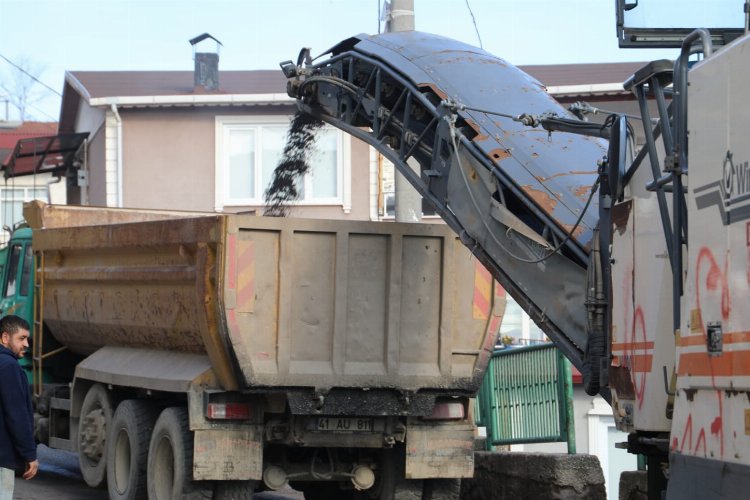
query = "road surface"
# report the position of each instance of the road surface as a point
(60, 479)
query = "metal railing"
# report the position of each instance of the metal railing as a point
(527, 397)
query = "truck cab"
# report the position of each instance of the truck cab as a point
(17, 285)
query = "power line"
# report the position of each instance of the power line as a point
(52, 118)
(19, 68)
(473, 19)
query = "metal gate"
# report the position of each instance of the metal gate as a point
(527, 397)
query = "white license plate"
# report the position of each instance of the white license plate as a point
(344, 424)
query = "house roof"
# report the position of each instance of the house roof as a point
(268, 87)
(99, 85)
(103, 84)
(582, 74)
(583, 80)
(11, 132)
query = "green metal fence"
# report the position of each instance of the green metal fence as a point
(527, 397)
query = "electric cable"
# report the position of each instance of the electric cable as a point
(19, 68)
(473, 19)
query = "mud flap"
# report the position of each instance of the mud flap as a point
(223, 454)
(439, 449)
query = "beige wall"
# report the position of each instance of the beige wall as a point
(96, 179)
(169, 162)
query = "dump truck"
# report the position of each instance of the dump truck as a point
(185, 355)
(637, 274)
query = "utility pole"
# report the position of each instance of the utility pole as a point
(408, 200)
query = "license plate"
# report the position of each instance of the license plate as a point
(344, 424)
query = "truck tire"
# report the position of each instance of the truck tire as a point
(322, 490)
(234, 490)
(442, 489)
(94, 420)
(127, 449)
(170, 460)
(409, 489)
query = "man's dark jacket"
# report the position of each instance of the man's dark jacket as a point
(17, 446)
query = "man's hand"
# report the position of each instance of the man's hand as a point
(31, 469)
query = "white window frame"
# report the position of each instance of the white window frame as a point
(28, 192)
(223, 124)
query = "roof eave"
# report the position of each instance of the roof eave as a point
(588, 89)
(192, 100)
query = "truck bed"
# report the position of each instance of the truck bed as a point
(273, 302)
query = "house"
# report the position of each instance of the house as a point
(158, 141)
(14, 191)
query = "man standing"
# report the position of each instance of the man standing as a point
(17, 446)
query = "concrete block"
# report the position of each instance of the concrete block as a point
(634, 485)
(511, 475)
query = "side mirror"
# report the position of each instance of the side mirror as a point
(617, 155)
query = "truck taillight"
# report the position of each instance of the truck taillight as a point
(453, 410)
(228, 411)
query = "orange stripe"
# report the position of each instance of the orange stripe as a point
(246, 279)
(231, 261)
(632, 346)
(727, 338)
(726, 364)
(641, 363)
(482, 291)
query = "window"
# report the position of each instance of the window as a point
(12, 199)
(10, 281)
(388, 192)
(28, 262)
(519, 326)
(249, 148)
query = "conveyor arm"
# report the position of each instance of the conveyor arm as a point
(520, 198)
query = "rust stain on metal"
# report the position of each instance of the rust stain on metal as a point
(577, 233)
(475, 127)
(621, 380)
(565, 174)
(438, 91)
(620, 215)
(499, 154)
(582, 192)
(541, 198)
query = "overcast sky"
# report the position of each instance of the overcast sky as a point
(52, 36)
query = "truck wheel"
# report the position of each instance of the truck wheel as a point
(234, 490)
(321, 490)
(127, 449)
(442, 489)
(95, 417)
(408, 489)
(170, 460)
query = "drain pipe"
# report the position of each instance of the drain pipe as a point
(119, 154)
(54, 180)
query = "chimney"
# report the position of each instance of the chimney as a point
(206, 75)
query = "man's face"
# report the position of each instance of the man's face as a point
(17, 343)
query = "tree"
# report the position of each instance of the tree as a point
(22, 87)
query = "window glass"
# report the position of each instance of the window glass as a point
(274, 137)
(12, 206)
(252, 150)
(10, 282)
(11, 203)
(28, 261)
(241, 163)
(324, 165)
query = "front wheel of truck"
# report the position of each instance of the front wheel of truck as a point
(95, 418)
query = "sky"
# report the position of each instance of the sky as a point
(49, 37)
